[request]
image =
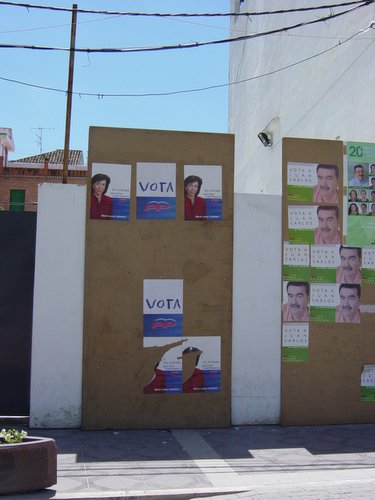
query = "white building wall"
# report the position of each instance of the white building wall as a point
(330, 96)
(56, 369)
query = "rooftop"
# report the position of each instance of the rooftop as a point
(57, 156)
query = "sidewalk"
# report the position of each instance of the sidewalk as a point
(264, 462)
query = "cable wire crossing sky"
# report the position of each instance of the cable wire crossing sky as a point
(125, 55)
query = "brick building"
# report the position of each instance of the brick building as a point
(19, 179)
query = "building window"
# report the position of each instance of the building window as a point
(17, 200)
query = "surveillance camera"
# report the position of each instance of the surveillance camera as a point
(266, 139)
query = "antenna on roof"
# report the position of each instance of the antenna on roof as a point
(39, 137)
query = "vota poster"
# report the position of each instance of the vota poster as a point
(156, 191)
(296, 262)
(165, 366)
(368, 266)
(325, 264)
(295, 342)
(313, 182)
(201, 366)
(368, 383)
(318, 224)
(203, 192)
(162, 308)
(110, 191)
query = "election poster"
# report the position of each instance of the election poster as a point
(360, 181)
(368, 266)
(302, 221)
(338, 303)
(324, 261)
(201, 365)
(203, 192)
(110, 191)
(156, 191)
(313, 182)
(323, 302)
(314, 224)
(368, 383)
(360, 164)
(163, 363)
(295, 342)
(182, 365)
(162, 307)
(296, 262)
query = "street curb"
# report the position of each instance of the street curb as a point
(171, 494)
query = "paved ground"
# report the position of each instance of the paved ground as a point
(256, 462)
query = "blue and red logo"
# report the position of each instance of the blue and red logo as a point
(156, 205)
(155, 325)
(163, 323)
(156, 208)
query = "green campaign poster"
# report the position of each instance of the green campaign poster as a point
(324, 298)
(368, 383)
(368, 266)
(302, 221)
(324, 261)
(301, 178)
(313, 183)
(361, 194)
(296, 261)
(295, 342)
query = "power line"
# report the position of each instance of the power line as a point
(100, 95)
(207, 14)
(25, 30)
(53, 26)
(190, 45)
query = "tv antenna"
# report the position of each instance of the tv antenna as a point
(39, 137)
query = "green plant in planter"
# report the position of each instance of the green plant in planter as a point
(11, 436)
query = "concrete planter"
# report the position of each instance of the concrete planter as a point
(28, 466)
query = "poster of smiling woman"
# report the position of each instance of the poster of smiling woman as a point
(110, 191)
(203, 192)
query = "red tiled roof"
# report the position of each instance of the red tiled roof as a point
(57, 156)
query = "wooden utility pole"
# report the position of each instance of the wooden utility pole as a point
(69, 93)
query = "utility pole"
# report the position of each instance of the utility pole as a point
(69, 93)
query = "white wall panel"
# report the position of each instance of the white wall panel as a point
(56, 371)
(256, 310)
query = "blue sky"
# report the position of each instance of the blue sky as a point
(26, 109)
